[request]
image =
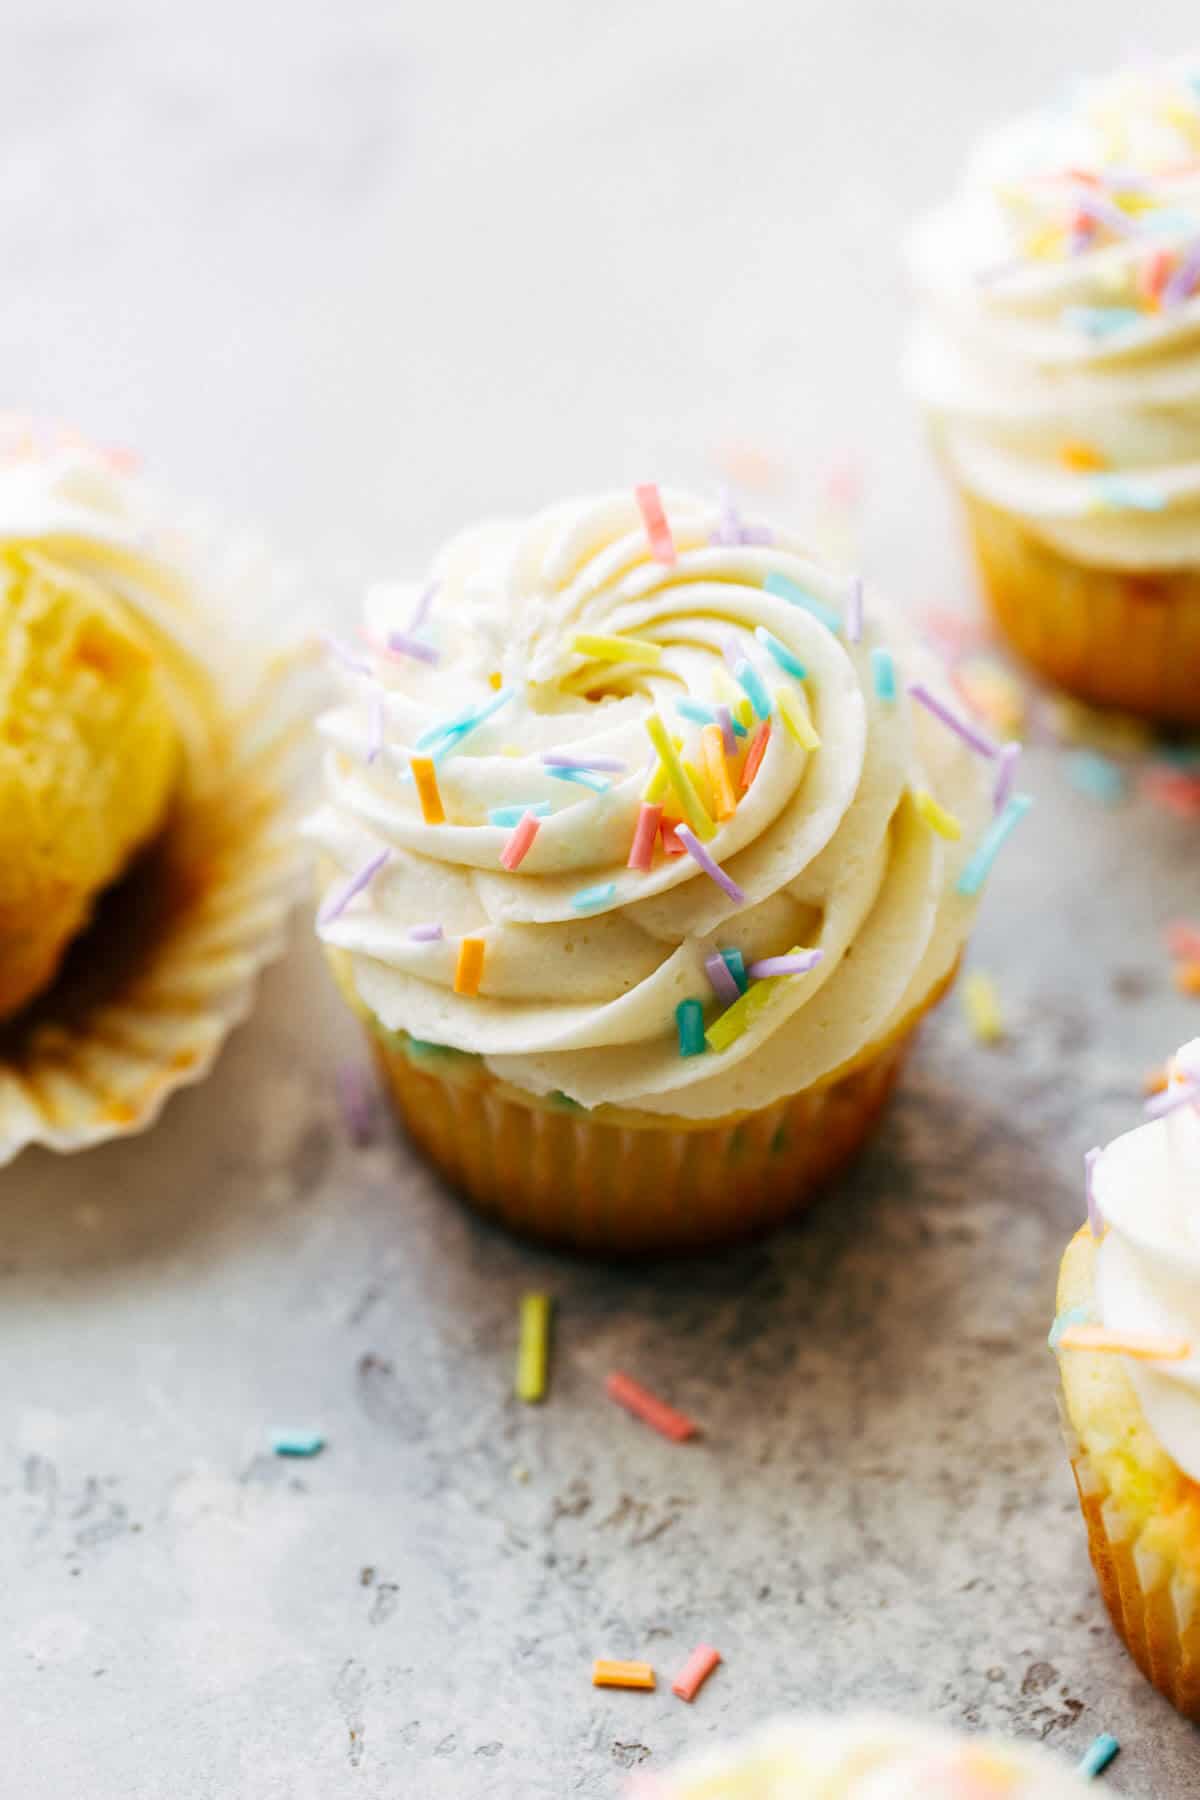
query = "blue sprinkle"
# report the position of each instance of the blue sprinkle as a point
(1124, 495)
(587, 778)
(453, 731)
(1101, 321)
(977, 869)
(297, 1443)
(512, 815)
(589, 899)
(1096, 775)
(696, 711)
(1074, 1315)
(883, 671)
(1097, 1756)
(786, 589)
(783, 656)
(737, 968)
(753, 683)
(689, 1021)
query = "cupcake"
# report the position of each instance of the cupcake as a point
(142, 799)
(647, 846)
(868, 1758)
(1057, 357)
(1127, 1338)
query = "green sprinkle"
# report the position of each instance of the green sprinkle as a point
(1097, 1756)
(977, 869)
(783, 656)
(565, 1102)
(883, 673)
(689, 1020)
(590, 899)
(791, 591)
(1074, 1315)
(734, 962)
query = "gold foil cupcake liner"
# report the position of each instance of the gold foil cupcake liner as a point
(1113, 637)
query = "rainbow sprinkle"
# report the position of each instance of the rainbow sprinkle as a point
(533, 1352)
(426, 934)
(603, 765)
(784, 588)
(1100, 321)
(717, 770)
(593, 898)
(685, 792)
(1096, 1758)
(662, 544)
(1006, 775)
(599, 648)
(689, 1022)
(518, 846)
(936, 816)
(883, 673)
(796, 962)
(695, 1672)
(1142, 1346)
(787, 661)
(1073, 1315)
(794, 716)
(754, 756)
(756, 691)
(403, 643)
(721, 976)
(641, 851)
(468, 970)
(597, 784)
(428, 793)
(979, 865)
(1121, 494)
(358, 665)
(608, 1673)
(970, 734)
(374, 727)
(341, 897)
(508, 816)
(297, 1443)
(711, 868)
(730, 729)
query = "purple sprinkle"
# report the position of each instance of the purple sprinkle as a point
(719, 974)
(729, 531)
(1178, 287)
(731, 648)
(1105, 213)
(358, 665)
(1095, 1221)
(404, 644)
(425, 934)
(728, 736)
(757, 534)
(341, 898)
(1180, 1093)
(854, 611)
(357, 1102)
(601, 765)
(1006, 774)
(712, 869)
(423, 605)
(785, 965)
(374, 726)
(968, 733)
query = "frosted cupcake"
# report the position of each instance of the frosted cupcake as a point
(142, 858)
(647, 847)
(1058, 359)
(1128, 1342)
(867, 1758)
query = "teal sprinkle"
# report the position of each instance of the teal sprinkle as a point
(1100, 321)
(419, 1047)
(1127, 496)
(883, 672)
(783, 656)
(297, 1443)
(689, 1021)
(791, 591)
(588, 778)
(512, 815)
(978, 867)
(1074, 1315)
(753, 683)
(1096, 775)
(696, 711)
(736, 966)
(1097, 1756)
(590, 899)
(453, 731)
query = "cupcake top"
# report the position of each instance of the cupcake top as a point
(640, 804)
(1146, 1198)
(866, 1758)
(1059, 344)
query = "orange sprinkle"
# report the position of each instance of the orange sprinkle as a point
(1187, 977)
(428, 792)
(1142, 1345)
(1156, 1081)
(717, 770)
(606, 1673)
(649, 1408)
(755, 754)
(468, 971)
(1082, 457)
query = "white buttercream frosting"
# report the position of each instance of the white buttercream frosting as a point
(827, 845)
(1060, 319)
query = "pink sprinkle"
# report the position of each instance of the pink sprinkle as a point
(518, 846)
(357, 1103)
(695, 1672)
(728, 735)
(336, 905)
(1006, 774)
(426, 934)
(662, 544)
(854, 611)
(968, 733)
(402, 643)
(721, 976)
(641, 851)
(711, 867)
(670, 841)
(768, 966)
(374, 726)
(1183, 940)
(1093, 1211)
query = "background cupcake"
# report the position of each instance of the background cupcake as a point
(1058, 358)
(647, 850)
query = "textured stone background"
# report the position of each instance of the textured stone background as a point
(360, 272)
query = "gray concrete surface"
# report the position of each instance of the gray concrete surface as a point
(360, 273)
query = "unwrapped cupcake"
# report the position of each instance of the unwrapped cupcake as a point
(1128, 1342)
(1058, 359)
(146, 783)
(647, 846)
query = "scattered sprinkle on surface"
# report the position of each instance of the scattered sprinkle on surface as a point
(297, 1443)
(607, 1672)
(533, 1351)
(695, 1672)
(1099, 1753)
(981, 1003)
(649, 1408)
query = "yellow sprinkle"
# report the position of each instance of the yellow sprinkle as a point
(1080, 456)
(728, 1026)
(725, 689)
(534, 1351)
(621, 1674)
(616, 649)
(743, 712)
(660, 780)
(713, 745)
(468, 971)
(428, 792)
(700, 783)
(1047, 242)
(496, 680)
(795, 717)
(943, 822)
(981, 1003)
(685, 792)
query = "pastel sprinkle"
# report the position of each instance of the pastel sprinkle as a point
(883, 673)
(854, 611)
(754, 756)
(357, 1101)
(695, 1672)
(1006, 775)
(468, 971)
(696, 712)
(374, 726)
(737, 1019)
(533, 1351)
(1100, 321)
(935, 816)
(358, 665)
(786, 589)
(737, 968)
(590, 899)
(796, 962)
(599, 784)
(601, 648)
(1096, 1758)
(689, 1023)
(1097, 776)
(1172, 1097)
(794, 715)
(670, 842)
(787, 661)
(508, 816)
(711, 868)
(649, 1408)
(1124, 495)
(1142, 1346)
(604, 765)
(608, 1673)
(1094, 1216)
(518, 846)
(1182, 938)
(662, 544)
(756, 691)
(453, 733)
(721, 976)
(1184, 278)
(424, 602)
(341, 897)
(979, 865)
(428, 792)
(641, 851)
(729, 730)
(1082, 458)
(1073, 1315)
(685, 792)
(426, 934)
(403, 643)
(981, 1003)
(717, 769)
(297, 1443)
(970, 734)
